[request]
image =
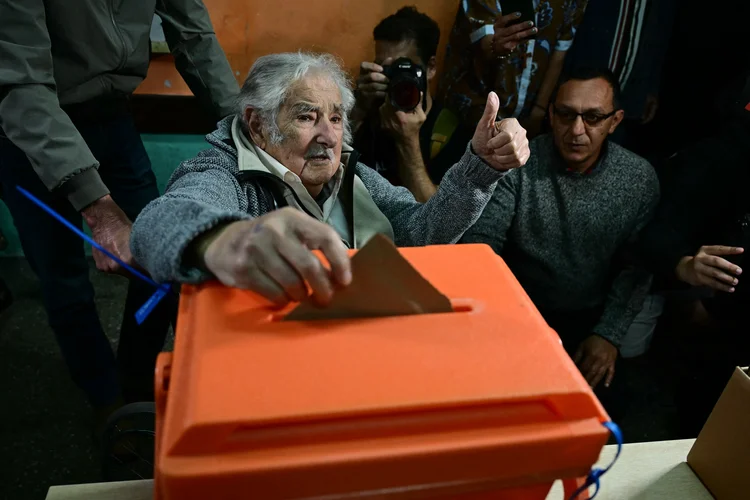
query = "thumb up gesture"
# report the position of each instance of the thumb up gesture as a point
(502, 145)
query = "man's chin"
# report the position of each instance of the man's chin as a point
(318, 163)
(317, 172)
(575, 155)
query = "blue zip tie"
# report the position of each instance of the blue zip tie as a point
(596, 473)
(161, 290)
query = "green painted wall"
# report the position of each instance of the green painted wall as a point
(166, 152)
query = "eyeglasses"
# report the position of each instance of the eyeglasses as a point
(589, 118)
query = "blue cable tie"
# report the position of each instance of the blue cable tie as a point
(596, 473)
(161, 290)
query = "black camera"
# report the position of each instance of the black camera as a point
(406, 84)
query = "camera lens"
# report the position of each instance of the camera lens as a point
(405, 95)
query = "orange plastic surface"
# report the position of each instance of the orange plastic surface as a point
(483, 402)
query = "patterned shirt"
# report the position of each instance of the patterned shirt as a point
(469, 76)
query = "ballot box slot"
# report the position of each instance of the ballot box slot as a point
(459, 305)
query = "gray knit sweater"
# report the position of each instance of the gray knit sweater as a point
(562, 234)
(205, 191)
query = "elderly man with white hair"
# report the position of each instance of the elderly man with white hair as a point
(281, 181)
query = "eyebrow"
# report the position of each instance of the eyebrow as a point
(590, 110)
(306, 107)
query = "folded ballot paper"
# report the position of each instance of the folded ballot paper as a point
(383, 284)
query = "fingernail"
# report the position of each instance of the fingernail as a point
(530, 23)
(735, 282)
(347, 277)
(534, 30)
(731, 290)
(738, 271)
(518, 14)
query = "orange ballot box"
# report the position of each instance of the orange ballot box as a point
(481, 402)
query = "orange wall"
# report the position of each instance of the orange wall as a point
(250, 28)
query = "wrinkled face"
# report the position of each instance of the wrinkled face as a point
(311, 120)
(580, 138)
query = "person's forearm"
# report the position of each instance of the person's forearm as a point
(623, 303)
(194, 256)
(30, 113)
(412, 170)
(198, 56)
(199, 198)
(30, 116)
(551, 77)
(464, 192)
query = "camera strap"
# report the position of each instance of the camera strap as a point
(445, 124)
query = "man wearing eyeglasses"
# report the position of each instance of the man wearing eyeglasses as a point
(563, 222)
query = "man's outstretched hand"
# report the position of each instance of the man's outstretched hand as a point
(272, 255)
(502, 145)
(708, 268)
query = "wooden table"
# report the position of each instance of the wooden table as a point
(645, 471)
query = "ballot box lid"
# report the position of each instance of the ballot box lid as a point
(272, 397)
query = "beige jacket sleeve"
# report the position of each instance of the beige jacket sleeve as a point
(30, 114)
(198, 56)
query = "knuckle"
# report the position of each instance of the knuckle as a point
(309, 265)
(331, 237)
(238, 265)
(278, 299)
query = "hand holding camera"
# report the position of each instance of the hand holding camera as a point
(401, 82)
(372, 85)
(403, 126)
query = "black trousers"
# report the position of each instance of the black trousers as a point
(57, 257)
(574, 327)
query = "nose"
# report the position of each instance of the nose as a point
(578, 127)
(326, 134)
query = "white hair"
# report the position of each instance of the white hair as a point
(270, 78)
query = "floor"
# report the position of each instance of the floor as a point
(45, 424)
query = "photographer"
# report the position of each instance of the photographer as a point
(410, 147)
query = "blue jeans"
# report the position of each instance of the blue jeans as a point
(57, 257)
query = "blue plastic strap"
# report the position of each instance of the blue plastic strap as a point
(596, 473)
(161, 290)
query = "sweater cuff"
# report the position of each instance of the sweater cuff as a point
(615, 341)
(610, 330)
(186, 270)
(478, 171)
(84, 188)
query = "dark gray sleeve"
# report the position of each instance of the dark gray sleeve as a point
(443, 219)
(633, 282)
(492, 227)
(198, 56)
(199, 196)
(30, 114)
